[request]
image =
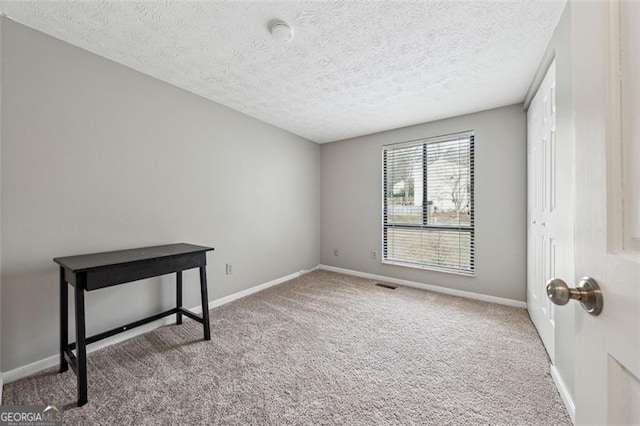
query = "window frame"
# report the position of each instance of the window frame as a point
(470, 229)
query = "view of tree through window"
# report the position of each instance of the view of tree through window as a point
(428, 203)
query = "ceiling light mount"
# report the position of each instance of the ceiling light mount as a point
(281, 31)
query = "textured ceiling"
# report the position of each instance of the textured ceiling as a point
(352, 68)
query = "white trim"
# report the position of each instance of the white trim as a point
(1, 386)
(564, 393)
(249, 291)
(430, 287)
(52, 361)
(457, 136)
(428, 267)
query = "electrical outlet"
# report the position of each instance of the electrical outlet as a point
(229, 269)
(336, 252)
(374, 255)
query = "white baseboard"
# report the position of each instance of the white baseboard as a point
(43, 364)
(564, 393)
(435, 288)
(249, 291)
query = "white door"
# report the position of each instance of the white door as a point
(606, 90)
(542, 207)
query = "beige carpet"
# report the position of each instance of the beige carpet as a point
(321, 349)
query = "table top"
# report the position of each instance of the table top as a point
(85, 262)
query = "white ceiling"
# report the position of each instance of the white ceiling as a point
(352, 68)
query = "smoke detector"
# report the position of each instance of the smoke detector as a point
(281, 31)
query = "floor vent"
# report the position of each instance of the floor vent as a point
(389, 286)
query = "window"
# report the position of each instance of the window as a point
(428, 203)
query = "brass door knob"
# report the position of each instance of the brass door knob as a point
(587, 292)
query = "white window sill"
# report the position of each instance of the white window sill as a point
(428, 268)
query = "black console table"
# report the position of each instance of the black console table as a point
(98, 270)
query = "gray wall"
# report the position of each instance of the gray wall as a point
(96, 156)
(560, 49)
(351, 202)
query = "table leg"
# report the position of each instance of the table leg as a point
(205, 302)
(81, 345)
(64, 321)
(179, 296)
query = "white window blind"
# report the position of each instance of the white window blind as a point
(428, 218)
